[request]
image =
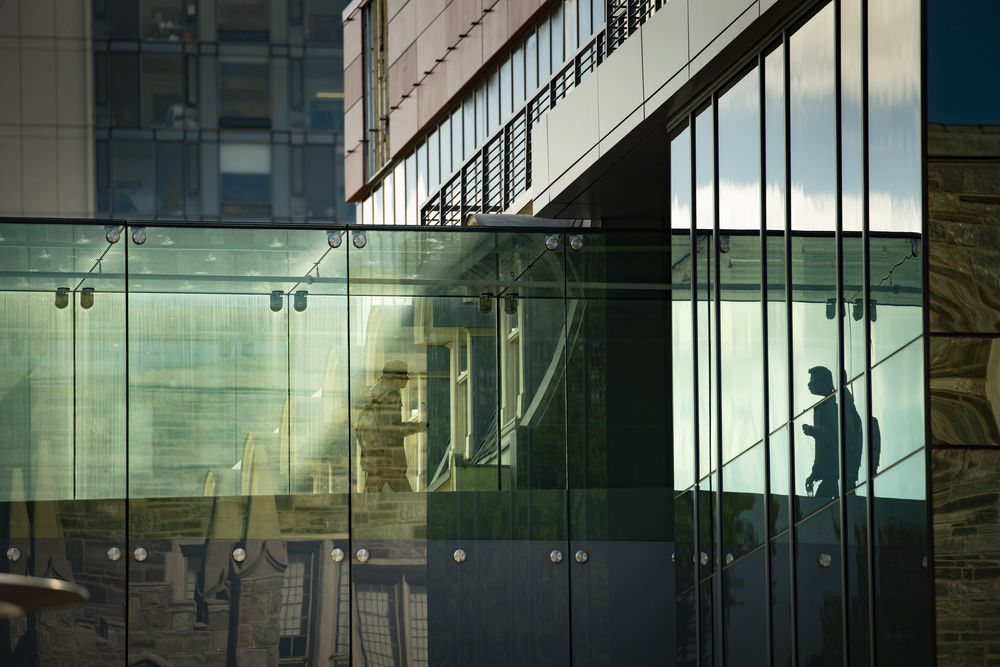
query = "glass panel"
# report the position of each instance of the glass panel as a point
(777, 332)
(894, 111)
(319, 183)
(779, 471)
(742, 348)
(813, 124)
(852, 258)
(457, 152)
(745, 596)
(122, 19)
(244, 20)
(851, 117)
(323, 22)
(133, 178)
(680, 180)
(818, 589)
(855, 441)
(411, 190)
(506, 90)
(324, 86)
(433, 161)
(208, 364)
(707, 590)
(895, 306)
(817, 462)
(684, 556)
(858, 615)
(902, 581)
(168, 20)
(743, 510)
(531, 64)
(814, 312)
(682, 367)
(124, 87)
(170, 178)
(739, 154)
(556, 27)
(245, 179)
(704, 170)
(244, 96)
(63, 413)
(687, 635)
(618, 443)
(544, 52)
(707, 521)
(389, 199)
(781, 601)
(162, 87)
(518, 78)
(493, 103)
(897, 421)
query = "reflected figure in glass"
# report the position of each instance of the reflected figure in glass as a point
(824, 431)
(853, 439)
(381, 431)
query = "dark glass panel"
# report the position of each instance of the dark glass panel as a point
(781, 601)
(170, 178)
(684, 556)
(745, 615)
(817, 460)
(244, 97)
(324, 96)
(779, 472)
(324, 23)
(133, 178)
(858, 614)
(743, 508)
(168, 20)
(162, 90)
(687, 635)
(855, 441)
(245, 179)
(244, 20)
(818, 589)
(707, 492)
(319, 175)
(124, 87)
(902, 581)
(123, 19)
(957, 35)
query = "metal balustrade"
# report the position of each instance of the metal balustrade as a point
(499, 172)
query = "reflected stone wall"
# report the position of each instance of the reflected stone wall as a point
(963, 254)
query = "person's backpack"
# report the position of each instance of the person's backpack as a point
(853, 440)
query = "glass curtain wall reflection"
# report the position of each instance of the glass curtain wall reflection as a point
(785, 246)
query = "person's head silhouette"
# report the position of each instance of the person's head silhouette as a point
(820, 380)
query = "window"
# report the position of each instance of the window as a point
(170, 179)
(296, 606)
(324, 95)
(244, 91)
(244, 20)
(376, 609)
(132, 178)
(323, 23)
(168, 20)
(162, 90)
(194, 561)
(319, 170)
(245, 179)
(124, 89)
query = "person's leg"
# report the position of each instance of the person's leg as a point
(827, 489)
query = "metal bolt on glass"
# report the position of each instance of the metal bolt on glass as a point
(360, 240)
(112, 234)
(277, 300)
(140, 554)
(138, 236)
(556, 556)
(334, 239)
(62, 297)
(729, 559)
(704, 558)
(582, 556)
(576, 242)
(825, 560)
(13, 554)
(552, 242)
(337, 555)
(363, 555)
(673, 557)
(459, 555)
(114, 553)
(239, 554)
(87, 298)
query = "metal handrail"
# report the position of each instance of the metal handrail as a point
(499, 172)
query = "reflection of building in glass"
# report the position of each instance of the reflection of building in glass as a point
(693, 412)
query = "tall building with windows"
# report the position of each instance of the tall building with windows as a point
(661, 332)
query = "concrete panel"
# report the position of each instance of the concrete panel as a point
(707, 20)
(767, 4)
(573, 127)
(71, 83)
(354, 172)
(10, 84)
(392, 7)
(431, 45)
(495, 28)
(740, 24)
(354, 125)
(563, 181)
(402, 75)
(38, 85)
(459, 17)
(428, 10)
(353, 83)
(664, 45)
(464, 62)
(38, 18)
(352, 37)
(658, 98)
(431, 94)
(10, 170)
(74, 169)
(519, 12)
(70, 19)
(540, 156)
(619, 82)
(39, 164)
(609, 139)
(402, 32)
(403, 124)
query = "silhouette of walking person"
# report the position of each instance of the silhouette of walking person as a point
(823, 430)
(381, 431)
(853, 439)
